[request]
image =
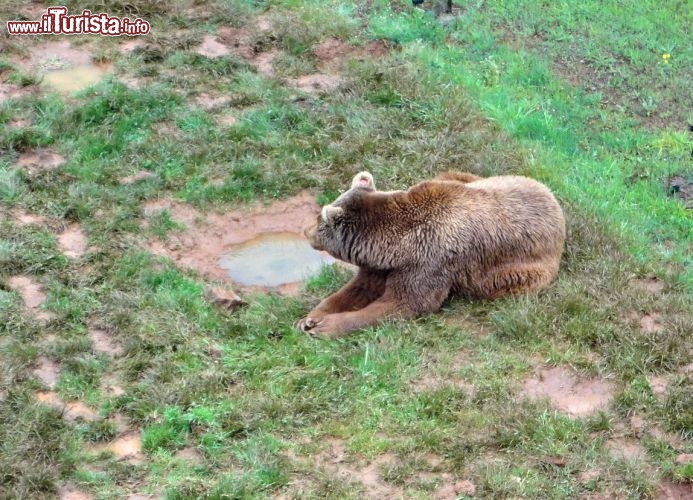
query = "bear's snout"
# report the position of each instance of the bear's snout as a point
(311, 234)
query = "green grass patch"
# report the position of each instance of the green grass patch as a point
(578, 96)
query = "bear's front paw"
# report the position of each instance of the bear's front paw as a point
(306, 324)
(330, 326)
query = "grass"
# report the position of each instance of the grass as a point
(577, 96)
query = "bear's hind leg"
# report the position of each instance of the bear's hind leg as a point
(516, 278)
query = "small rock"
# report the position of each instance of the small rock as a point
(224, 299)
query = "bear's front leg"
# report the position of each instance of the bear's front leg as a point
(364, 288)
(339, 324)
(408, 294)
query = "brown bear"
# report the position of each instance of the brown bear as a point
(457, 233)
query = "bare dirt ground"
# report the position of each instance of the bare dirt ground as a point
(38, 160)
(72, 241)
(569, 394)
(331, 55)
(33, 296)
(206, 236)
(369, 474)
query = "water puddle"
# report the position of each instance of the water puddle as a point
(75, 78)
(273, 259)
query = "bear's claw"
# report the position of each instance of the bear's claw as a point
(307, 324)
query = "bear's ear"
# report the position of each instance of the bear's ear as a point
(363, 180)
(329, 212)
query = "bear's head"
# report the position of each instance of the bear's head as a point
(329, 231)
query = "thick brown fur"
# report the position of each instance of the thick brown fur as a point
(457, 233)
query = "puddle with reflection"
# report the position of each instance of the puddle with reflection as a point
(76, 77)
(273, 259)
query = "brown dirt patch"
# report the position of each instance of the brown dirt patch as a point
(72, 411)
(72, 241)
(332, 51)
(686, 370)
(190, 455)
(209, 101)
(567, 393)
(264, 23)
(211, 48)
(33, 296)
(129, 45)
(22, 218)
(103, 342)
(136, 177)
(637, 425)
(55, 55)
(241, 42)
(626, 449)
(207, 236)
(63, 66)
(33, 11)
(48, 371)
(365, 473)
(70, 492)
(20, 123)
(263, 62)
(238, 40)
(111, 385)
(227, 119)
(651, 285)
(127, 447)
(650, 323)
(659, 385)
(8, 91)
(132, 82)
(455, 489)
(316, 83)
(675, 491)
(332, 54)
(121, 422)
(38, 160)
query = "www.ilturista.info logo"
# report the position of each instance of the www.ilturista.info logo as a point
(57, 22)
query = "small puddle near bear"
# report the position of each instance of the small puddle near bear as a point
(273, 259)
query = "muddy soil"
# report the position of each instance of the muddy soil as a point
(63, 66)
(33, 296)
(208, 237)
(681, 187)
(569, 394)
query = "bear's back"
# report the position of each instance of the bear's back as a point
(505, 215)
